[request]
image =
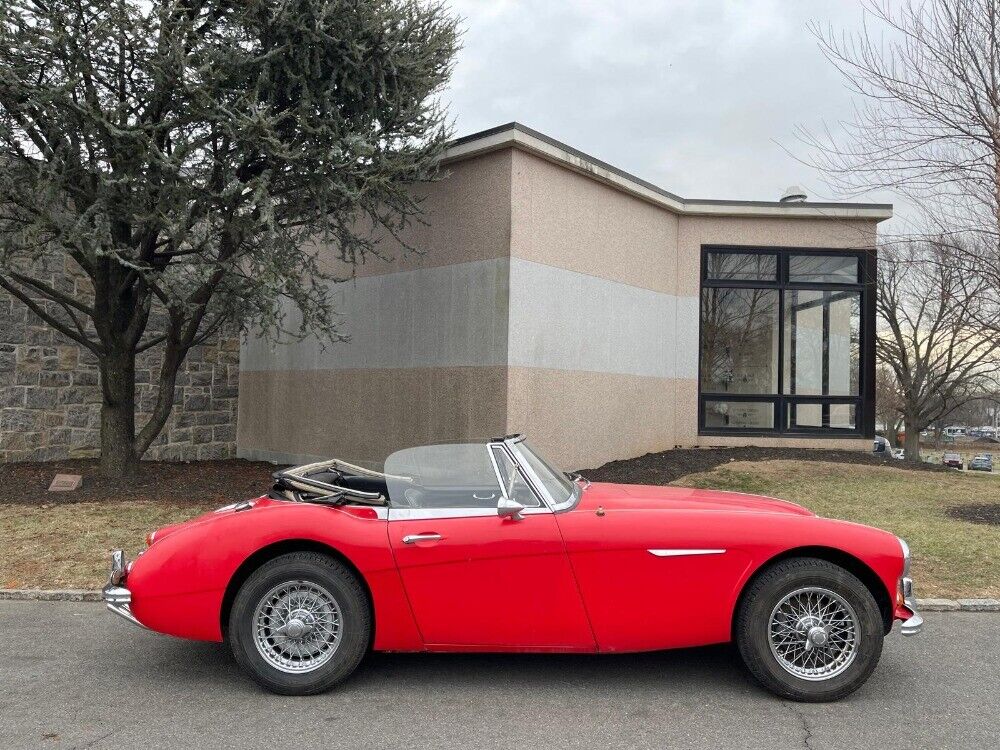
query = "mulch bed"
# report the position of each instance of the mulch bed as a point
(987, 513)
(665, 467)
(195, 482)
(236, 479)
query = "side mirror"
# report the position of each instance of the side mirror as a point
(511, 509)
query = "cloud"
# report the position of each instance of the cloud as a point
(689, 95)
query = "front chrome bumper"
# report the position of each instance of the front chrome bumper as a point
(915, 623)
(116, 596)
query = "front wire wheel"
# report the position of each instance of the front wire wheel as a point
(814, 633)
(809, 630)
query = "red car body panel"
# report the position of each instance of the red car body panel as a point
(178, 584)
(639, 602)
(492, 582)
(582, 580)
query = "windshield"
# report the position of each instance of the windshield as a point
(448, 475)
(563, 491)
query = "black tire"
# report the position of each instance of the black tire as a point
(348, 594)
(753, 624)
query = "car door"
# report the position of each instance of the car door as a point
(474, 579)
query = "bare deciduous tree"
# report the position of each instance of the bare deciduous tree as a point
(931, 315)
(927, 74)
(888, 402)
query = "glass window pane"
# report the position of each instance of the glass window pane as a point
(514, 484)
(805, 415)
(822, 343)
(823, 269)
(741, 266)
(737, 415)
(842, 416)
(452, 475)
(739, 341)
(557, 484)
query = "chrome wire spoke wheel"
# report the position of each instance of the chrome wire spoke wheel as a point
(814, 633)
(297, 626)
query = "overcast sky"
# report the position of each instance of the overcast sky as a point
(692, 95)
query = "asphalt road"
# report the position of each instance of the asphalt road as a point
(72, 676)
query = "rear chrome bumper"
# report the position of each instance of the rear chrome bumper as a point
(116, 596)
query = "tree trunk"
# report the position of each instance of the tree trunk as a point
(118, 457)
(911, 440)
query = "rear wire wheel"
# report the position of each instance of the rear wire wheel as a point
(300, 624)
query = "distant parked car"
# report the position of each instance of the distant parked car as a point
(953, 460)
(982, 462)
(899, 453)
(881, 445)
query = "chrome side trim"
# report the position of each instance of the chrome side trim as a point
(683, 552)
(422, 514)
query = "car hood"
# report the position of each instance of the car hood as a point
(644, 497)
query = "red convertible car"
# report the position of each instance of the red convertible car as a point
(487, 547)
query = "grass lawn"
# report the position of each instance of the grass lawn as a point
(951, 558)
(68, 546)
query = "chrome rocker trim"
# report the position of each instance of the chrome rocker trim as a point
(116, 597)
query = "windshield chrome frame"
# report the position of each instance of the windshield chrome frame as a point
(542, 504)
(556, 506)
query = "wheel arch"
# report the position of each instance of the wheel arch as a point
(854, 565)
(277, 549)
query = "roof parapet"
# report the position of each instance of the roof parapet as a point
(516, 135)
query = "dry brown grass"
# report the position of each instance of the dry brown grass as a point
(67, 546)
(951, 558)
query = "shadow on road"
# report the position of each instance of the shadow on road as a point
(183, 662)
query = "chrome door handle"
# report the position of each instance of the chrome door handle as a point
(484, 497)
(413, 538)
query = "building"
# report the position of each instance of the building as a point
(599, 314)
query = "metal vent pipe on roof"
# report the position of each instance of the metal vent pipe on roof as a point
(793, 194)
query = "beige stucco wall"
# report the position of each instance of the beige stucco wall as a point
(565, 219)
(466, 217)
(364, 415)
(425, 362)
(599, 291)
(584, 419)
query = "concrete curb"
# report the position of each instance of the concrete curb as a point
(82, 595)
(57, 595)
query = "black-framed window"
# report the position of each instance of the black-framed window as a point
(786, 341)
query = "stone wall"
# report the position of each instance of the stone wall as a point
(50, 393)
